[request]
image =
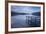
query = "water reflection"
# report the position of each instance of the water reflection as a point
(25, 20)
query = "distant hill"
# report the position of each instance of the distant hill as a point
(16, 13)
(36, 13)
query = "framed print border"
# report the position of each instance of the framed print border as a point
(6, 16)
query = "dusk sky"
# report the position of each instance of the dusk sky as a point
(25, 9)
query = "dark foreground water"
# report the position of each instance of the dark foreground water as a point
(20, 21)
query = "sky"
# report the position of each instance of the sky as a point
(25, 9)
